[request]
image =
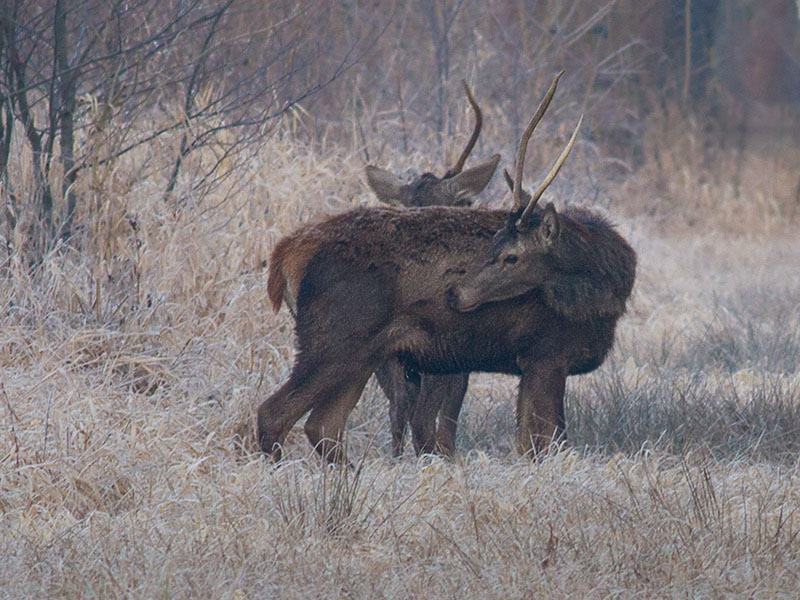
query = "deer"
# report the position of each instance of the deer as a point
(415, 398)
(530, 292)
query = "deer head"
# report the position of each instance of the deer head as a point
(455, 188)
(527, 251)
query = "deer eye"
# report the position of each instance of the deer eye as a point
(510, 259)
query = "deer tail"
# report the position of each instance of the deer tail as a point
(276, 282)
(286, 267)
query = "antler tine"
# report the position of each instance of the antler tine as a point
(523, 143)
(550, 176)
(456, 169)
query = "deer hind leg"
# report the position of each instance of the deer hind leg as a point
(306, 389)
(277, 414)
(326, 424)
(540, 406)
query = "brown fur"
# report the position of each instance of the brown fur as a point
(372, 284)
(411, 398)
(416, 398)
(287, 264)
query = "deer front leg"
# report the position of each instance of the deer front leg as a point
(423, 416)
(440, 395)
(451, 390)
(540, 406)
(402, 390)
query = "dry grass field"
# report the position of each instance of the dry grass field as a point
(130, 373)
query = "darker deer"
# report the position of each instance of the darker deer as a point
(533, 293)
(417, 399)
(455, 188)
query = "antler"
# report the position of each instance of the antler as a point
(456, 169)
(523, 142)
(522, 221)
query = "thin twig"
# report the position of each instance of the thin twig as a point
(12, 417)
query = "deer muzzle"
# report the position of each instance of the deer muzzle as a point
(459, 298)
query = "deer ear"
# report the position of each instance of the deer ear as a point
(551, 225)
(472, 181)
(387, 187)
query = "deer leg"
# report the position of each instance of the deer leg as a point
(326, 424)
(306, 389)
(402, 392)
(440, 395)
(423, 417)
(278, 413)
(452, 389)
(540, 406)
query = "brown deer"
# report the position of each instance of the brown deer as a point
(415, 398)
(446, 290)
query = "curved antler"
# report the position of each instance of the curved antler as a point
(523, 142)
(522, 221)
(456, 169)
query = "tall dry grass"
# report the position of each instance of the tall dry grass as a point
(131, 365)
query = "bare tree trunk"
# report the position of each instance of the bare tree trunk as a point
(687, 59)
(440, 20)
(20, 98)
(442, 55)
(6, 115)
(65, 115)
(6, 129)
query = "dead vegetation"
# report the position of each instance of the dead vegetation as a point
(133, 356)
(130, 375)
